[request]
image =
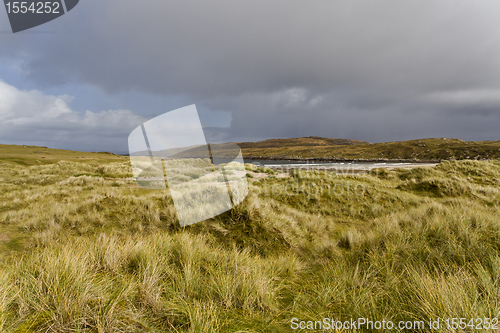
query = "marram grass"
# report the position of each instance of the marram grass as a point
(83, 249)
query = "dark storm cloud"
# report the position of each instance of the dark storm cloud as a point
(373, 70)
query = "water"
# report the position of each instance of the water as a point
(330, 165)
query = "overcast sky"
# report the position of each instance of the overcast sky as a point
(368, 70)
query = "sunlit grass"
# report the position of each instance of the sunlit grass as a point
(86, 250)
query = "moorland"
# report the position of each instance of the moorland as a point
(352, 150)
(84, 249)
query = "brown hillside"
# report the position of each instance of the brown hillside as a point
(304, 142)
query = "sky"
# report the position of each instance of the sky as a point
(379, 71)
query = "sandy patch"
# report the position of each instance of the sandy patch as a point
(410, 166)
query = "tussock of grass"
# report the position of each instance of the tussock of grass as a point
(175, 282)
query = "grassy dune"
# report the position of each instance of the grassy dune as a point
(83, 249)
(34, 155)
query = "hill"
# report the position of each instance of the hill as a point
(325, 149)
(338, 149)
(300, 142)
(34, 155)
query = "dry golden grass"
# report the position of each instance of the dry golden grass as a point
(86, 250)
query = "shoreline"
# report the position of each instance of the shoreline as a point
(351, 167)
(334, 160)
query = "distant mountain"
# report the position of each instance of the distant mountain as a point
(313, 148)
(346, 150)
(316, 148)
(327, 149)
(170, 152)
(304, 142)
